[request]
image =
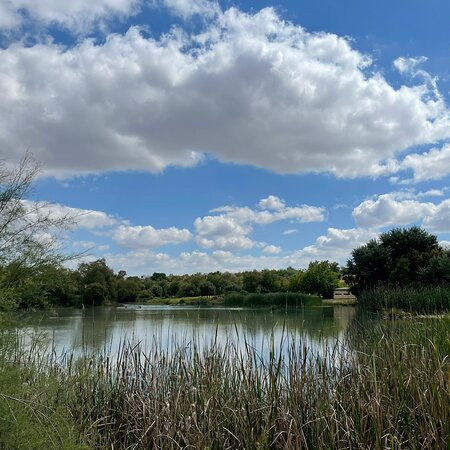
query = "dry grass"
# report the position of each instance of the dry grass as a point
(391, 390)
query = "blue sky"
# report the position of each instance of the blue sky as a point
(190, 135)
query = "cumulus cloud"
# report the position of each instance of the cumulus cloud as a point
(431, 165)
(271, 202)
(397, 208)
(147, 236)
(230, 229)
(336, 245)
(248, 88)
(439, 221)
(271, 249)
(76, 15)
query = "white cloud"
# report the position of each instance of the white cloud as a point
(81, 218)
(439, 221)
(387, 210)
(290, 231)
(431, 165)
(249, 88)
(188, 8)
(232, 226)
(336, 245)
(146, 236)
(408, 65)
(76, 15)
(271, 249)
(271, 202)
(90, 245)
(431, 193)
(397, 208)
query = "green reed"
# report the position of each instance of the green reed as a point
(424, 299)
(383, 385)
(281, 299)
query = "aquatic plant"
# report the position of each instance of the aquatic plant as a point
(385, 385)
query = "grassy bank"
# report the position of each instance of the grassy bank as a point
(424, 299)
(390, 391)
(189, 301)
(279, 299)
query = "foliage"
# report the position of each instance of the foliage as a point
(28, 229)
(321, 278)
(399, 257)
(97, 282)
(128, 289)
(30, 256)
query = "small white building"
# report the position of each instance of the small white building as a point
(343, 292)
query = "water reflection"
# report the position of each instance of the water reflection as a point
(103, 329)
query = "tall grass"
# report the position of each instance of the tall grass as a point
(425, 299)
(385, 385)
(272, 299)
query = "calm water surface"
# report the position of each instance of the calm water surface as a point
(104, 329)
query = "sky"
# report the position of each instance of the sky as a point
(193, 136)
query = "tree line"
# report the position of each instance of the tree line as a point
(95, 283)
(33, 270)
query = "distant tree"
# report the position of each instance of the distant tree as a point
(174, 287)
(269, 281)
(128, 289)
(320, 278)
(207, 288)
(95, 294)
(97, 273)
(158, 276)
(295, 281)
(156, 290)
(251, 281)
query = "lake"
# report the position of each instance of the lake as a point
(105, 329)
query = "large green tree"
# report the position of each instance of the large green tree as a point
(320, 278)
(97, 282)
(398, 257)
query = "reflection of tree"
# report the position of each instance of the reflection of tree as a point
(104, 328)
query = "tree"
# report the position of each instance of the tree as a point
(269, 281)
(437, 271)
(99, 274)
(95, 294)
(399, 257)
(207, 288)
(128, 289)
(28, 229)
(29, 238)
(251, 281)
(321, 278)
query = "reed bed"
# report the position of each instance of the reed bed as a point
(384, 385)
(422, 299)
(280, 299)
